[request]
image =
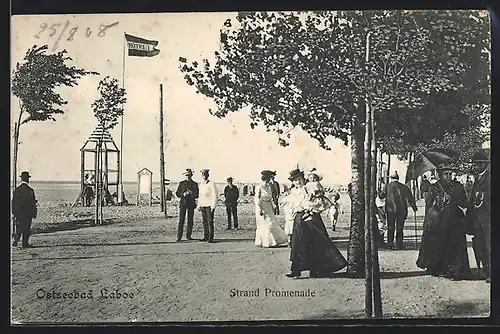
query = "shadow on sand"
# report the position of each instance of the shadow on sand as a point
(444, 310)
(72, 225)
(383, 275)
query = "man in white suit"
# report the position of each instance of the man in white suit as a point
(207, 202)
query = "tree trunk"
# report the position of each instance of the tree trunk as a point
(375, 235)
(388, 171)
(102, 192)
(16, 150)
(356, 249)
(368, 228)
(379, 174)
(17, 127)
(97, 185)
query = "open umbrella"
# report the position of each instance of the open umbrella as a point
(427, 161)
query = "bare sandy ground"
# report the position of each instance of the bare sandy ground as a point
(192, 281)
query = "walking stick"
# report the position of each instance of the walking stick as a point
(416, 236)
(14, 227)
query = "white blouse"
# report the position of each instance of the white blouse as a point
(296, 201)
(263, 193)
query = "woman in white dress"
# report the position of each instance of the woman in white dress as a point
(268, 232)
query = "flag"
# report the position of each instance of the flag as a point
(140, 47)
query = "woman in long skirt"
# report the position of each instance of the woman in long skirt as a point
(268, 232)
(443, 249)
(311, 246)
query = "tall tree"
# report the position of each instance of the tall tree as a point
(308, 70)
(109, 106)
(34, 83)
(107, 109)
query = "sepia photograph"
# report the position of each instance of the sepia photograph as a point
(250, 166)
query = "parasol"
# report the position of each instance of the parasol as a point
(427, 161)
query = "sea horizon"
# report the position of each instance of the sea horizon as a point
(171, 182)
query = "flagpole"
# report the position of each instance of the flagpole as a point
(162, 158)
(120, 189)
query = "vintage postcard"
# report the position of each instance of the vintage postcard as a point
(192, 167)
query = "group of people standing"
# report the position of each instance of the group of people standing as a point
(305, 233)
(451, 216)
(205, 196)
(311, 248)
(191, 195)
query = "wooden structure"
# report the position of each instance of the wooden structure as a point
(144, 186)
(110, 155)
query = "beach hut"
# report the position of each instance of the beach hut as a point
(110, 157)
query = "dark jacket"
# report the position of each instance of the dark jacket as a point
(398, 197)
(24, 202)
(231, 194)
(478, 215)
(424, 186)
(187, 199)
(275, 191)
(89, 192)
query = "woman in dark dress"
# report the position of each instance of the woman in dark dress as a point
(311, 247)
(443, 250)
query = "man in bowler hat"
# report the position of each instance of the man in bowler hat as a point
(398, 196)
(207, 203)
(188, 192)
(231, 195)
(24, 209)
(478, 216)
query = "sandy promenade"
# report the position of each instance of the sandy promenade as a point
(193, 281)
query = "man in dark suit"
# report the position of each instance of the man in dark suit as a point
(88, 195)
(24, 210)
(398, 196)
(188, 192)
(231, 195)
(424, 190)
(275, 189)
(478, 217)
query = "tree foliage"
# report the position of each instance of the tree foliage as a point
(109, 106)
(310, 69)
(456, 119)
(35, 79)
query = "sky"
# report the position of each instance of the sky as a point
(194, 138)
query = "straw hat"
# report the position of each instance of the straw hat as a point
(315, 172)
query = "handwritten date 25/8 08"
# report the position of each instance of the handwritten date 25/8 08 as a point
(60, 30)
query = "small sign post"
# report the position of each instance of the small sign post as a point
(144, 186)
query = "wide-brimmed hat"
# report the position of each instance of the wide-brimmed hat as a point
(188, 172)
(268, 173)
(314, 171)
(448, 167)
(394, 175)
(480, 156)
(229, 179)
(25, 174)
(205, 170)
(295, 174)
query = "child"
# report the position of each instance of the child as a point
(380, 215)
(318, 202)
(335, 210)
